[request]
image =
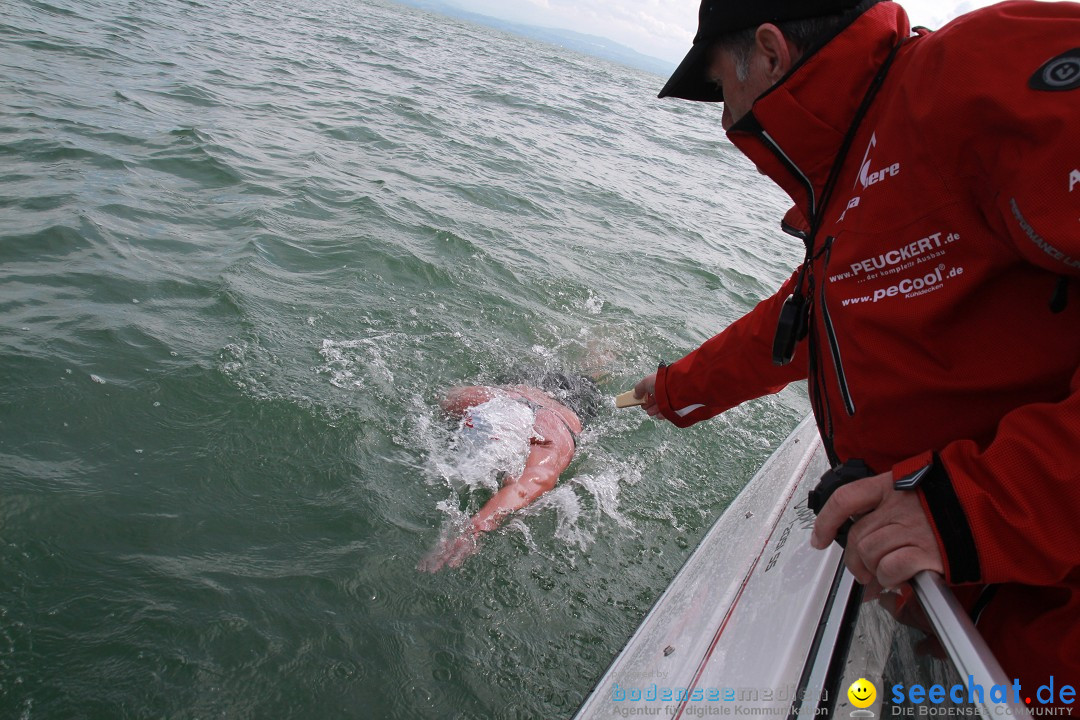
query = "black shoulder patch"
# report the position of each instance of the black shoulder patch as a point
(1058, 73)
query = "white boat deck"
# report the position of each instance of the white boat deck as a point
(737, 622)
(759, 623)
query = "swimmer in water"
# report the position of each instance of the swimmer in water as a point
(551, 444)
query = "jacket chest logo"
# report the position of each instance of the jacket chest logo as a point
(866, 177)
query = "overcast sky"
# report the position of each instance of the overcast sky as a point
(661, 28)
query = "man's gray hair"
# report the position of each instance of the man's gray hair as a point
(803, 34)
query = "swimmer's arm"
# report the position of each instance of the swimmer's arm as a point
(460, 399)
(513, 496)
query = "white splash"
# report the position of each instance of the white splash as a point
(594, 304)
(344, 356)
(492, 439)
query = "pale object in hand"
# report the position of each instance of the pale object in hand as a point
(627, 399)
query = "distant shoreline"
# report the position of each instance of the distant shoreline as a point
(593, 45)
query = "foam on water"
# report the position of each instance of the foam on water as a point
(342, 363)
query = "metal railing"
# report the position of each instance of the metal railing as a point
(962, 642)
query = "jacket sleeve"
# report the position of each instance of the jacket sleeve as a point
(1007, 511)
(730, 368)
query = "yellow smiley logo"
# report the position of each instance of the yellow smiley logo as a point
(862, 693)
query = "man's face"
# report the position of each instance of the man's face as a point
(769, 60)
(739, 95)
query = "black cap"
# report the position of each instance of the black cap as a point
(718, 18)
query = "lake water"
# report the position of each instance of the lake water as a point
(244, 248)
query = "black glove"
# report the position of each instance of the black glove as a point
(849, 471)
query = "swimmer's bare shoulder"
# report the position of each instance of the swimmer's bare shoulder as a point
(461, 398)
(545, 400)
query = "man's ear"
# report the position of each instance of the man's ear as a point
(777, 54)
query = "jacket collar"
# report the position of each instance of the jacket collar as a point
(794, 131)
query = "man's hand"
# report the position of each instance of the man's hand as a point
(891, 539)
(646, 388)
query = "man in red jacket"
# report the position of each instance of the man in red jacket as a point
(936, 181)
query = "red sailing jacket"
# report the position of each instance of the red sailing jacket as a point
(944, 295)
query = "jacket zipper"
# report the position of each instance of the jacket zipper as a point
(830, 331)
(787, 162)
